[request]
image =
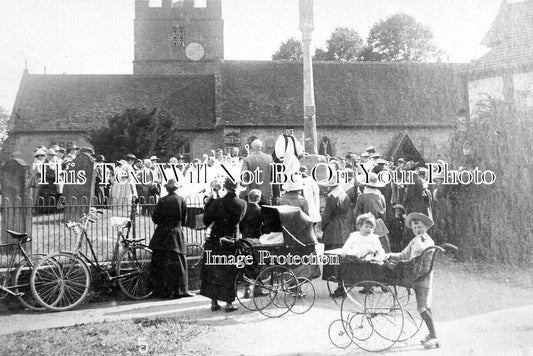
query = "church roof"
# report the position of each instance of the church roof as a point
(251, 93)
(84, 102)
(510, 36)
(270, 93)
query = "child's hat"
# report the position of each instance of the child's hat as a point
(426, 220)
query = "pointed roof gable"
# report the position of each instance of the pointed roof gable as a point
(510, 36)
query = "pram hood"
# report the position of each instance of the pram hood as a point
(296, 226)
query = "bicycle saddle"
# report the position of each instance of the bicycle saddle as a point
(22, 236)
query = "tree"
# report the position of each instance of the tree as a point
(400, 38)
(140, 131)
(290, 50)
(344, 44)
(4, 117)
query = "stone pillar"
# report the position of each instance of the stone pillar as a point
(306, 27)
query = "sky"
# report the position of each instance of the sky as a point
(96, 36)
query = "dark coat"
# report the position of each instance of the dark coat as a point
(262, 161)
(226, 212)
(295, 199)
(218, 280)
(250, 224)
(169, 214)
(414, 197)
(335, 218)
(352, 193)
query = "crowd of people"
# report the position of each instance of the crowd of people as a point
(359, 213)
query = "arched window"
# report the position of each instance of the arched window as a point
(325, 147)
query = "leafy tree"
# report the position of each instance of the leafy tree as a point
(290, 50)
(140, 131)
(4, 117)
(400, 38)
(344, 44)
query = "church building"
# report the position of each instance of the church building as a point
(179, 67)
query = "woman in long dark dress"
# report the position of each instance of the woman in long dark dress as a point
(169, 265)
(218, 280)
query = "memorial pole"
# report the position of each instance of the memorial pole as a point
(307, 27)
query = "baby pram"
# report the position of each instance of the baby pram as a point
(280, 278)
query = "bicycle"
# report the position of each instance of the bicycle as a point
(15, 278)
(62, 280)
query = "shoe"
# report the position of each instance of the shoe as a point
(186, 295)
(231, 308)
(430, 342)
(366, 291)
(216, 307)
(246, 294)
(426, 339)
(339, 293)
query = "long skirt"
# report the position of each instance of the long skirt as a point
(330, 270)
(218, 281)
(169, 274)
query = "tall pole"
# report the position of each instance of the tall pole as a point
(307, 27)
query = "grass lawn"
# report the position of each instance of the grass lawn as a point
(125, 337)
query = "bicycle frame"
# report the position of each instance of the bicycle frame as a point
(80, 229)
(12, 266)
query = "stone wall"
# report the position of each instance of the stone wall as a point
(523, 89)
(162, 67)
(432, 143)
(480, 89)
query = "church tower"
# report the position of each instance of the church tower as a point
(178, 36)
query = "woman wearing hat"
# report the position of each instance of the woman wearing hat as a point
(335, 226)
(122, 193)
(169, 265)
(293, 197)
(373, 201)
(218, 280)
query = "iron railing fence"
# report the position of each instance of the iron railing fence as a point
(46, 221)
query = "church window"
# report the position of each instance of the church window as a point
(325, 147)
(200, 3)
(178, 36)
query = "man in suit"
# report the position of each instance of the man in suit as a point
(259, 159)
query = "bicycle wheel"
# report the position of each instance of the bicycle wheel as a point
(413, 320)
(21, 281)
(274, 296)
(60, 281)
(133, 272)
(244, 289)
(375, 317)
(305, 296)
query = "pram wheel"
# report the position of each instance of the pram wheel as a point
(245, 289)
(275, 286)
(338, 335)
(373, 320)
(305, 296)
(412, 319)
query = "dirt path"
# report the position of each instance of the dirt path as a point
(476, 313)
(474, 316)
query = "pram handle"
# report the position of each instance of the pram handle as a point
(292, 236)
